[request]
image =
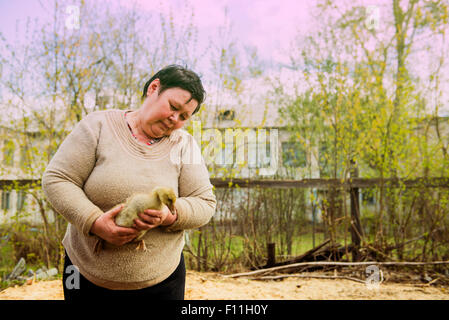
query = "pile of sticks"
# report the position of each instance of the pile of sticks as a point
(313, 260)
(322, 252)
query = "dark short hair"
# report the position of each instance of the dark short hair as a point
(176, 76)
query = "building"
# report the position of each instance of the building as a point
(242, 142)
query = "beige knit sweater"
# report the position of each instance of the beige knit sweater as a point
(98, 166)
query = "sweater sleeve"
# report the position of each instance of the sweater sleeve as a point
(65, 175)
(196, 203)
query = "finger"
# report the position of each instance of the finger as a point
(149, 219)
(123, 231)
(114, 211)
(140, 225)
(153, 213)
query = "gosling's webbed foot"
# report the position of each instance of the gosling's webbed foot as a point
(141, 246)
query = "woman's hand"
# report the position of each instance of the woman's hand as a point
(150, 219)
(105, 228)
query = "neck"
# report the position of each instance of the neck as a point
(135, 122)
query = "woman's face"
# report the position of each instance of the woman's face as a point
(161, 114)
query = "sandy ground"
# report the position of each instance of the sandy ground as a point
(212, 286)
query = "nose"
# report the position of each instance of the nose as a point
(174, 117)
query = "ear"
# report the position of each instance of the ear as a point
(153, 87)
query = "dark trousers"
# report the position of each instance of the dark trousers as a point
(80, 288)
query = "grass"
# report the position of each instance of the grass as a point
(7, 263)
(300, 244)
(21, 240)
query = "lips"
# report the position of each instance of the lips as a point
(165, 126)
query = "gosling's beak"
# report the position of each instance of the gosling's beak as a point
(171, 206)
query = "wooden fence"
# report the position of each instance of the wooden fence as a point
(304, 183)
(351, 185)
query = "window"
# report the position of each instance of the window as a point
(368, 196)
(226, 115)
(24, 158)
(227, 154)
(20, 200)
(8, 153)
(264, 154)
(5, 200)
(293, 154)
(323, 161)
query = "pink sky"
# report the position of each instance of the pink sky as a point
(268, 25)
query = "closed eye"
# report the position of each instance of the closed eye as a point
(183, 116)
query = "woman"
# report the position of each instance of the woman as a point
(112, 154)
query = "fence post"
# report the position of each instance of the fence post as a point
(271, 252)
(356, 228)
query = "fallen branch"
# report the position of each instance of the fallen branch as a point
(390, 248)
(377, 251)
(305, 256)
(428, 284)
(310, 252)
(331, 263)
(305, 276)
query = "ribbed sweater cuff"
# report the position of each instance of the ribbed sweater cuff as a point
(87, 225)
(181, 206)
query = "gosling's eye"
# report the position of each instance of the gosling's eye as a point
(173, 107)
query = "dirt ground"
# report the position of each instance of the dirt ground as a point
(213, 286)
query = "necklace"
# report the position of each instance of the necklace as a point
(149, 142)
